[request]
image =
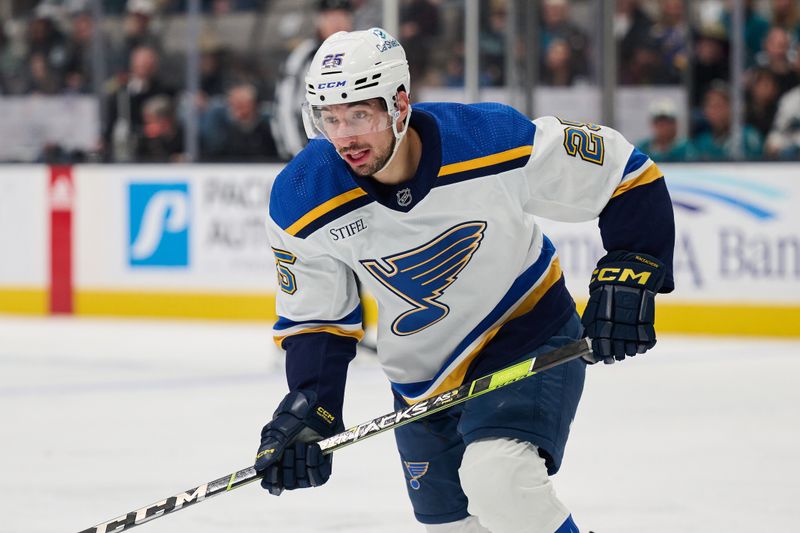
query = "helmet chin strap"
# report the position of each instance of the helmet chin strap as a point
(398, 137)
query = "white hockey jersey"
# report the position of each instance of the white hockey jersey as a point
(453, 255)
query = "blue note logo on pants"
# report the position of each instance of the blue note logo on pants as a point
(159, 216)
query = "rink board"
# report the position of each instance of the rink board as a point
(189, 241)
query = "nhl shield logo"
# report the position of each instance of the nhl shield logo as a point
(404, 197)
(415, 471)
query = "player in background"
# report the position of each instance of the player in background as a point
(332, 16)
(433, 206)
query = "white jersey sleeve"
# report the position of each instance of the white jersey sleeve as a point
(576, 168)
(316, 292)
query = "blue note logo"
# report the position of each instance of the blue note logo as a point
(159, 216)
(420, 276)
(416, 470)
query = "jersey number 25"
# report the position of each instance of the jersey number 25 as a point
(286, 280)
(587, 145)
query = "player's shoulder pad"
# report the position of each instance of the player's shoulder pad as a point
(471, 131)
(311, 186)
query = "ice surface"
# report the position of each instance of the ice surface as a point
(100, 417)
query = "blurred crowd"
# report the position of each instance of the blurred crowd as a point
(668, 49)
(248, 100)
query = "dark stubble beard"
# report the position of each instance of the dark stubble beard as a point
(380, 159)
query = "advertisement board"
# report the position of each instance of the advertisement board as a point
(737, 249)
(24, 238)
(737, 235)
(183, 240)
(189, 241)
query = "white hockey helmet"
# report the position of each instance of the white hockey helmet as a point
(351, 67)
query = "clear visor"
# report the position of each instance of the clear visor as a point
(345, 120)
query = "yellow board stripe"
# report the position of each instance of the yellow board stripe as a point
(671, 316)
(487, 160)
(230, 481)
(322, 209)
(24, 300)
(135, 303)
(648, 176)
(357, 334)
(456, 377)
(724, 319)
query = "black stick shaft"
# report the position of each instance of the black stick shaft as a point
(412, 413)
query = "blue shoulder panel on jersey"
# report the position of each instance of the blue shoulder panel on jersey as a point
(313, 189)
(480, 139)
(635, 161)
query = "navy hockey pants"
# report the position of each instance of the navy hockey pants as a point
(538, 410)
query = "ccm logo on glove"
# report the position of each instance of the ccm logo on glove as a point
(614, 274)
(620, 314)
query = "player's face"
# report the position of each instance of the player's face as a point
(367, 154)
(361, 133)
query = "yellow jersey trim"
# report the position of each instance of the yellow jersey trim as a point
(487, 160)
(324, 208)
(648, 176)
(356, 334)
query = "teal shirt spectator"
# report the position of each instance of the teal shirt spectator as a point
(756, 28)
(680, 150)
(707, 147)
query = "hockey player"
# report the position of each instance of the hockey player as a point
(433, 207)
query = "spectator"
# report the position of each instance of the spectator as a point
(664, 145)
(557, 26)
(160, 139)
(41, 77)
(715, 143)
(755, 30)
(137, 32)
(786, 15)
(647, 67)
(10, 65)
(671, 32)
(632, 28)
(125, 103)
(79, 69)
(783, 141)
(493, 46)
(45, 40)
(216, 7)
(454, 69)
(711, 61)
(558, 64)
(420, 24)
(332, 16)
(762, 96)
(212, 72)
(778, 57)
(239, 133)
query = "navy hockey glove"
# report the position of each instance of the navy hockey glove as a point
(620, 314)
(288, 457)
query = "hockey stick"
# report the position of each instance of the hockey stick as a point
(412, 413)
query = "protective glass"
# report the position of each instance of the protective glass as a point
(345, 120)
